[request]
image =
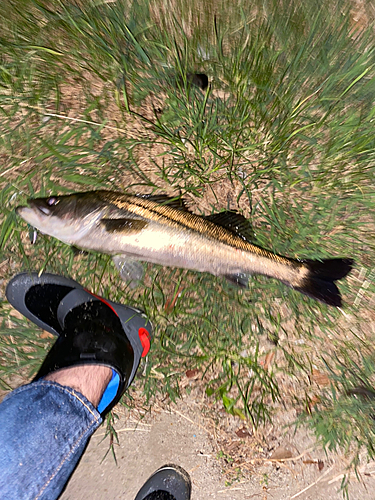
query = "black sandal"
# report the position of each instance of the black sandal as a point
(90, 329)
(170, 482)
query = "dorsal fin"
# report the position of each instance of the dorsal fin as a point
(172, 201)
(234, 222)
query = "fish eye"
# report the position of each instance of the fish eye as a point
(52, 201)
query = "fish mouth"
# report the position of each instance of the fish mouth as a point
(40, 205)
(37, 208)
(34, 214)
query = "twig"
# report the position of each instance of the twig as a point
(64, 117)
(188, 419)
(361, 470)
(312, 484)
(127, 429)
(291, 459)
(84, 121)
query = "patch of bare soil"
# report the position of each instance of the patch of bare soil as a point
(276, 464)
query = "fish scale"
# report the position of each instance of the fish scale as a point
(150, 210)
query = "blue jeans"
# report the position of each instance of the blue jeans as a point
(44, 429)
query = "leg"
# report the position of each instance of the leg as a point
(89, 380)
(44, 430)
(45, 426)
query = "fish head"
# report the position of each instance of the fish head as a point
(68, 218)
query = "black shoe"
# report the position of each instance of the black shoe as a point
(90, 329)
(170, 482)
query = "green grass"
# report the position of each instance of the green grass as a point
(97, 97)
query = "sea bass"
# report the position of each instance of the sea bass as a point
(162, 230)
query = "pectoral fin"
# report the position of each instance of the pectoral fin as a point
(238, 279)
(130, 270)
(127, 226)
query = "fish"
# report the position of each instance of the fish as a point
(162, 230)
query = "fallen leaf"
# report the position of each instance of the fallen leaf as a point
(315, 399)
(16, 314)
(281, 453)
(170, 303)
(268, 360)
(46, 335)
(242, 432)
(320, 378)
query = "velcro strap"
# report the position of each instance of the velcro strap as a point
(72, 300)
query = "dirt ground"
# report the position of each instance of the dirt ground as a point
(181, 434)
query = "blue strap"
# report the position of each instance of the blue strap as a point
(110, 392)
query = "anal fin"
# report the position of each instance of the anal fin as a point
(238, 279)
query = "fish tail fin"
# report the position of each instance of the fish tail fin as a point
(319, 282)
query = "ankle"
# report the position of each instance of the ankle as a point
(90, 380)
